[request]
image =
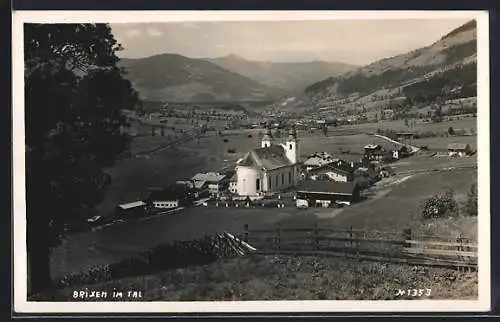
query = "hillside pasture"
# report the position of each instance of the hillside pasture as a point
(441, 143)
(420, 126)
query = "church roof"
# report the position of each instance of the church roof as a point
(269, 158)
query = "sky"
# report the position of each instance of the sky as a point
(358, 42)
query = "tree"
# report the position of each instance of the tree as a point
(406, 123)
(471, 203)
(325, 130)
(451, 131)
(74, 93)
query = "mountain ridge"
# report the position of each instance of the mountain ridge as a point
(390, 76)
(290, 76)
(174, 77)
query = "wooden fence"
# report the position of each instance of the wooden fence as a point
(403, 247)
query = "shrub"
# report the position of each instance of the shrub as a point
(440, 205)
(471, 203)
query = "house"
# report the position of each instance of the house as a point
(388, 114)
(215, 182)
(270, 168)
(233, 184)
(374, 152)
(405, 137)
(317, 160)
(171, 197)
(326, 193)
(132, 209)
(458, 149)
(339, 171)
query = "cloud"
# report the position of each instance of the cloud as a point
(153, 32)
(132, 33)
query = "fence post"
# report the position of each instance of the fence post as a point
(278, 236)
(246, 233)
(460, 248)
(356, 243)
(316, 239)
(407, 236)
(350, 237)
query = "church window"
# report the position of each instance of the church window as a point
(290, 146)
(268, 183)
(277, 183)
(257, 184)
(290, 177)
(282, 178)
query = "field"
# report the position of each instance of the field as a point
(441, 144)
(420, 126)
(397, 210)
(391, 207)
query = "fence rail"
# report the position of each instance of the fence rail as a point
(400, 247)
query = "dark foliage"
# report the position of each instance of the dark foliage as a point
(452, 84)
(74, 94)
(471, 203)
(440, 205)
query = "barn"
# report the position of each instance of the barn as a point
(327, 193)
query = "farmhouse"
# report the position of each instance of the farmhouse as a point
(270, 168)
(317, 160)
(326, 193)
(169, 198)
(458, 149)
(132, 209)
(214, 181)
(338, 171)
(405, 137)
(374, 152)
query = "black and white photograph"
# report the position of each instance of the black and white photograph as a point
(281, 161)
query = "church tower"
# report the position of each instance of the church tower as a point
(267, 139)
(292, 147)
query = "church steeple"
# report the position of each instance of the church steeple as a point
(267, 139)
(292, 146)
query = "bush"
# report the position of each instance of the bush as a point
(440, 205)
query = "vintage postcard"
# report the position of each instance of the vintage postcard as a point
(252, 161)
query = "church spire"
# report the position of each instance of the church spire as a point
(267, 139)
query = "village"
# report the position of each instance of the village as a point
(274, 175)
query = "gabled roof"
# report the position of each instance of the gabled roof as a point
(131, 205)
(210, 177)
(338, 166)
(331, 187)
(373, 146)
(458, 146)
(269, 158)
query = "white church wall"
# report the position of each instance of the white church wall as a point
(280, 179)
(247, 179)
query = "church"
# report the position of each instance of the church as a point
(270, 168)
